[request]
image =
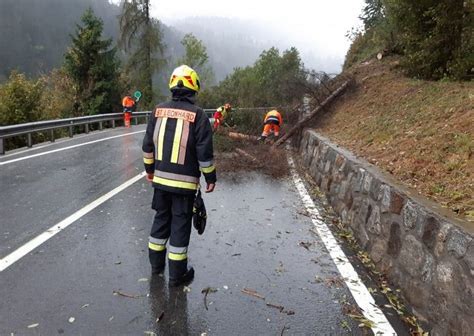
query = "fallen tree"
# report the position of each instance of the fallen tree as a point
(318, 108)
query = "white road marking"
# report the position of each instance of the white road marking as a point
(357, 288)
(69, 147)
(55, 229)
(57, 142)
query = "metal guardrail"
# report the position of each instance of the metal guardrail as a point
(51, 125)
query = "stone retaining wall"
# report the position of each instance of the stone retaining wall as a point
(425, 252)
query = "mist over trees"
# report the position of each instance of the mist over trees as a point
(195, 55)
(36, 33)
(60, 59)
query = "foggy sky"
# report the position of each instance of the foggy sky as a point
(316, 27)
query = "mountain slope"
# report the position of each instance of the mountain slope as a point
(419, 131)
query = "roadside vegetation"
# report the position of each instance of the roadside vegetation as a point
(275, 79)
(411, 110)
(435, 38)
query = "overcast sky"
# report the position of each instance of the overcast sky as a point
(316, 27)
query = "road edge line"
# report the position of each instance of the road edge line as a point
(359, 291)
(23, 250)
(66, 148)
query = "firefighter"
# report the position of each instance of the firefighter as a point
(272, 123)
(221, 115)
(129, 105)
(177, 147)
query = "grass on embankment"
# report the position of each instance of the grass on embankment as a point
(419, 131)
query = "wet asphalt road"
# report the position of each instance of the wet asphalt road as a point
(252, 241)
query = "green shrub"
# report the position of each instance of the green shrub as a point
(434, 37)
(19, 100)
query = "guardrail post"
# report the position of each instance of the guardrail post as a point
(2, 146)
(101, 127)
(29, 140)
(113, 123)
(52, 135)
(147, 118)
(71, 132)
(87, 128)
(136, 120)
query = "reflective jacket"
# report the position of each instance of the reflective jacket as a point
(177, 146)
(273, 117)
(223, 111)
(128, 101)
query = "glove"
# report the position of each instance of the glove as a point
(199, 214)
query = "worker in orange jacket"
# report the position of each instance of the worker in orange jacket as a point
(272, 123)
(129, 104)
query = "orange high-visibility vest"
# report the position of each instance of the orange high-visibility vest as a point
(128, 101)
(273, 115)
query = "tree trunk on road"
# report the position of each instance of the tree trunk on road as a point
(303, 121)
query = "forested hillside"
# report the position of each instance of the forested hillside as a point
(68, 58)
(35, 34)
(411, 108)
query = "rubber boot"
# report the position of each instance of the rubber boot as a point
(185, 279)
(157, 261)
(180, 274)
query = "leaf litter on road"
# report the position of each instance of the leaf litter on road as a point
(280, 308)
(131, 296)
(206, 292)
(252, 292)
(306, 245)
(160, 317)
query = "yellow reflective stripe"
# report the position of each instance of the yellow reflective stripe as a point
(177, 256)
(176, 177)
(148, 161)
(177, 141)
(156, 247)
(208, 170)
(161, 138)
(176, 184)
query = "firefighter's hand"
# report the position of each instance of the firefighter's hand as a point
(149, 177)
(210, 187)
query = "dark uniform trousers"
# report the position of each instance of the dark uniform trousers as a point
(172, 221)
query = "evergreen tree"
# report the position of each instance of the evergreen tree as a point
(93, 66)
(434, 35)
(140, 35)
(372, 13)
